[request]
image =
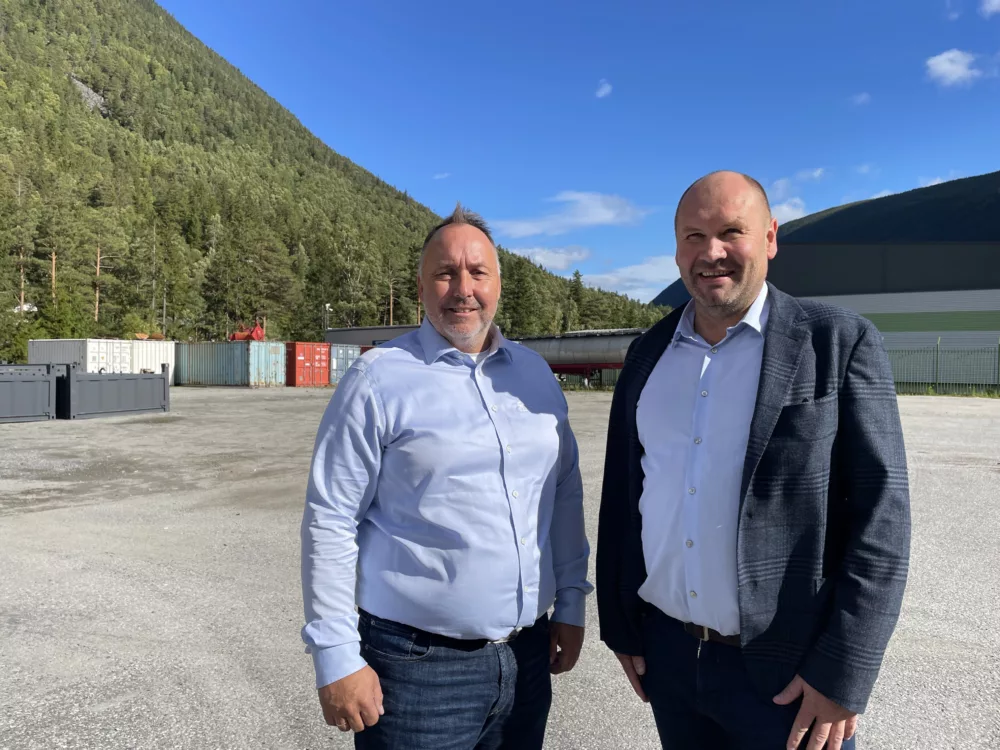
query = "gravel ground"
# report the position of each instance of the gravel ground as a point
(150, 598)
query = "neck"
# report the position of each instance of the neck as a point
(475, 345)
(712, 324)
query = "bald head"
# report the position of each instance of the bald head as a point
(716, 185)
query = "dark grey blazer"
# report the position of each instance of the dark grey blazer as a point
(824, 527)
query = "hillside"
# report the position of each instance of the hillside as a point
(957, 211)
(146, 185)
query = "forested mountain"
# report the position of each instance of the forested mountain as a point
(146, 185)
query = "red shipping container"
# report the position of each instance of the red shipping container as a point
(308, 364)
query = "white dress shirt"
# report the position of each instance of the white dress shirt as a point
(693, 419)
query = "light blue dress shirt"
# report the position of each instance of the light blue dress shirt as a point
(444, 493)
(693, 419)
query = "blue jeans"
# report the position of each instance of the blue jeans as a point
(707, 701)
(443, 694)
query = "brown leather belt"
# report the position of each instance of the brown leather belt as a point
(707, 634)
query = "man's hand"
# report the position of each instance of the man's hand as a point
(353, 702)
(833, 722)
(635, 668)
(565, 642)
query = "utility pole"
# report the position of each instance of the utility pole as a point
(164, 311)
(53, 275)
(152, 302)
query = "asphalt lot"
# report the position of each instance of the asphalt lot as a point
(149, 595)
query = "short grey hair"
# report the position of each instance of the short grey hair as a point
(459, 216)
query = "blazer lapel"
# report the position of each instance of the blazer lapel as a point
(783, 340)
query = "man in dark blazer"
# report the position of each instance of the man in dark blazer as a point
(754, 531)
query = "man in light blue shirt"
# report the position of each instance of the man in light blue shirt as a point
(443, 520)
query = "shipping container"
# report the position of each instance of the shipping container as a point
(308, 365)
(92, 355)
(342, 356)
(150, 356)
(253, 364)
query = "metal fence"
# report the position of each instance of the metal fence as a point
(943, 370)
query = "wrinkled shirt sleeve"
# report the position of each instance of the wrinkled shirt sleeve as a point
(342, 483)
(570, 548)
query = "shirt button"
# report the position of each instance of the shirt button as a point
(703, 393)
(508, 449)
(493, 408)
(514, 493)
(694, 594)
(697, 441)
(523, 541)
(691, 490)
(689, 543)
(715, 350)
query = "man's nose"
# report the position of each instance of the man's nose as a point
(716, 250)
(462, 286)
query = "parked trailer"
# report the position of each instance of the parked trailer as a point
(245, 364)
(28, 392)
(584, 353)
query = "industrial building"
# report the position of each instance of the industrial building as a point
(923, 266)
(366, 336)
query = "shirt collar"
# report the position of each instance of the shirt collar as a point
(755, 317)
(435, 346)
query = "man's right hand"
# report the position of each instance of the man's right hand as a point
(353, 702)
(635, 668)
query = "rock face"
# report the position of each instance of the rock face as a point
(90, 97)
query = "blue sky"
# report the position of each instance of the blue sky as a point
(573, 127)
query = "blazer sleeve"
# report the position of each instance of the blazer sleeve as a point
(868, 588)
(615, 617)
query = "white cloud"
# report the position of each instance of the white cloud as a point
(642, 281)
(929, 181)
(953, 68)
(864, 169)
(603, 89)
(810, 174)
(793, 208)
(580, 210)
(555, 258)
(953, 13)
(989, 7)
(860, 100)
(442, 175)
(883, 194)
(780, 190)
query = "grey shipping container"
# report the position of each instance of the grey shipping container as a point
(246, 364)
(342, 356)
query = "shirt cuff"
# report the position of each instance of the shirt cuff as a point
(336, 662)
(570, 607)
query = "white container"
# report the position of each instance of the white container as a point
(92, 355)
(151, 355)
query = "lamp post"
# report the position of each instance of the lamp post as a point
(326, 317)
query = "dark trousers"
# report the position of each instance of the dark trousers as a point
(442, 694)
(706, 701)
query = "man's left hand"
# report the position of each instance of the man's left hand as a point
(565, 642)
(831, 723)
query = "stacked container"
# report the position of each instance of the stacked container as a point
(308, 365)
(342, 356)
(247, 364)
(112, 356)
(91, 355)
